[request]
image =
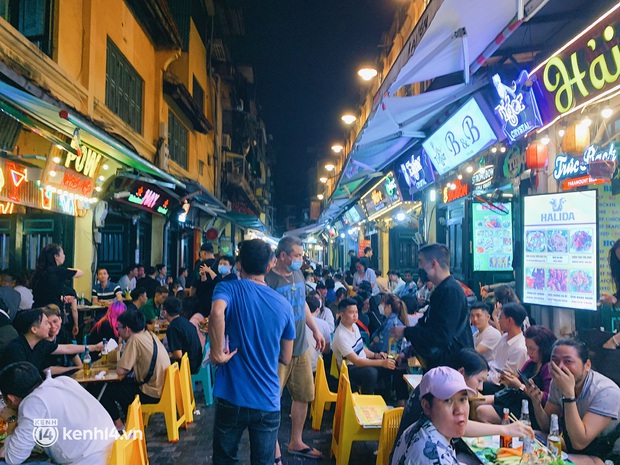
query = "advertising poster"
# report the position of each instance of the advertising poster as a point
(608, 234)
(492, 237)
(560, 247)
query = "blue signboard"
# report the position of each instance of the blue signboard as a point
(517, 109)
(417, 171)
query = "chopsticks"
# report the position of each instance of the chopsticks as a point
(515, 419)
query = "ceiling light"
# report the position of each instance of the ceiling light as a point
(56, 159)
(330, 167)
(337, 148)
(342, 235)
(502, 149)
(586, 122)
(323, 179)
(400, 216)
(606, 112)
(98, 188)
(561, 132)
(469, 169)
(459, 177)
(545, 140)
(101, 178)
(349, 118)
(105, 166)
(493, 149)
(320, 196)
(52, 173)
(367, 73)
(453, 186)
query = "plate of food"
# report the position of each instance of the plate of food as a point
(581, 241)
(581, 281)
(557, 240)
(535, 241)
(557, 280)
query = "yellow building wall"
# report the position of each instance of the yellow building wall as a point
(83, 256)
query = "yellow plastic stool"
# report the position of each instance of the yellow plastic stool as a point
(135, 423)
(323, 397)
(127, 451)
(389, 429)
(347, 427)
(187, 390)
(170, 404)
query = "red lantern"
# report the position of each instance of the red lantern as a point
(537, 156)
(212, 234)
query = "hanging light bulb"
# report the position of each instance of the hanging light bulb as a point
(323, 179)
(606, 112)
(545, 140)
(337, 148)
(561, 132)
(320, 196)
(348, 118)
(586, 122)
(469, 169)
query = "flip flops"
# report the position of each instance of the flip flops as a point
(308, 453)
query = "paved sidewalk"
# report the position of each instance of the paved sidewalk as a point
(195, 446)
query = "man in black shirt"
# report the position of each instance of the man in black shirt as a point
(445, 325)
(138, 298)
(32, 344)
(205, 257)
(149, 283)
(181, 335)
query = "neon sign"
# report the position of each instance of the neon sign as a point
(567, 166)
(147, 197)
(383, 195)
(449, 194)
(517, 109)
(86, 163)
(184, 211)
(417, 171)
(585, 68)
(6, 208)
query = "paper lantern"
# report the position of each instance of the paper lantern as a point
(212, 234)
(537, 156)
(576, 139)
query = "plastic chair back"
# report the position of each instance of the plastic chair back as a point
(187, 390)
(389, 429)
(170, 404)
(135, 422)
(205, 377)
(127, 451)
(323, 397)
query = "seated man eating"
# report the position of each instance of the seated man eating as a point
(143, 364)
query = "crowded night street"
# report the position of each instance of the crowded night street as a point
(310, 232)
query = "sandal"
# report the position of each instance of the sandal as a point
(277, 461)
(307, 453)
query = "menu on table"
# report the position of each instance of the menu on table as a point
(492, 237)
(560, 250)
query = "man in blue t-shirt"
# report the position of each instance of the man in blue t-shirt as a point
(252, 329)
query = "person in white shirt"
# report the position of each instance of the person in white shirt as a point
(396, 283)
(487, 337)
(323, 313)
(444, 396)
(511, 351)
(315, 306)
(56, 400)
(128, 280)
(363, 364)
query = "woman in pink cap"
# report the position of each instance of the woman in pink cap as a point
(445, 403)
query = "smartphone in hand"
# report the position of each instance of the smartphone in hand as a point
(524, 379)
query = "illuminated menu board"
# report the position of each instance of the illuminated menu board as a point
(560, 247)
(492, 237)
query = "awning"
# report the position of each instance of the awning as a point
(306, 230)
(32, 111)
(200, 194)
(243, 220)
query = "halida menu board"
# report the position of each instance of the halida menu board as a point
(560, 250)
(492, 237)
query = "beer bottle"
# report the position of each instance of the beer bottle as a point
(87, 363)
(554, 442)
(505, 440)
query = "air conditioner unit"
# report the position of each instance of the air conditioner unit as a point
(100, 213)
(226, 142)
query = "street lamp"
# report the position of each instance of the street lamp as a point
(337, 148)
(330, 167)
(348, 118)
(320, 196)
(323, 179)
(367, 73)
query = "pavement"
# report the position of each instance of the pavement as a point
(195, 446)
